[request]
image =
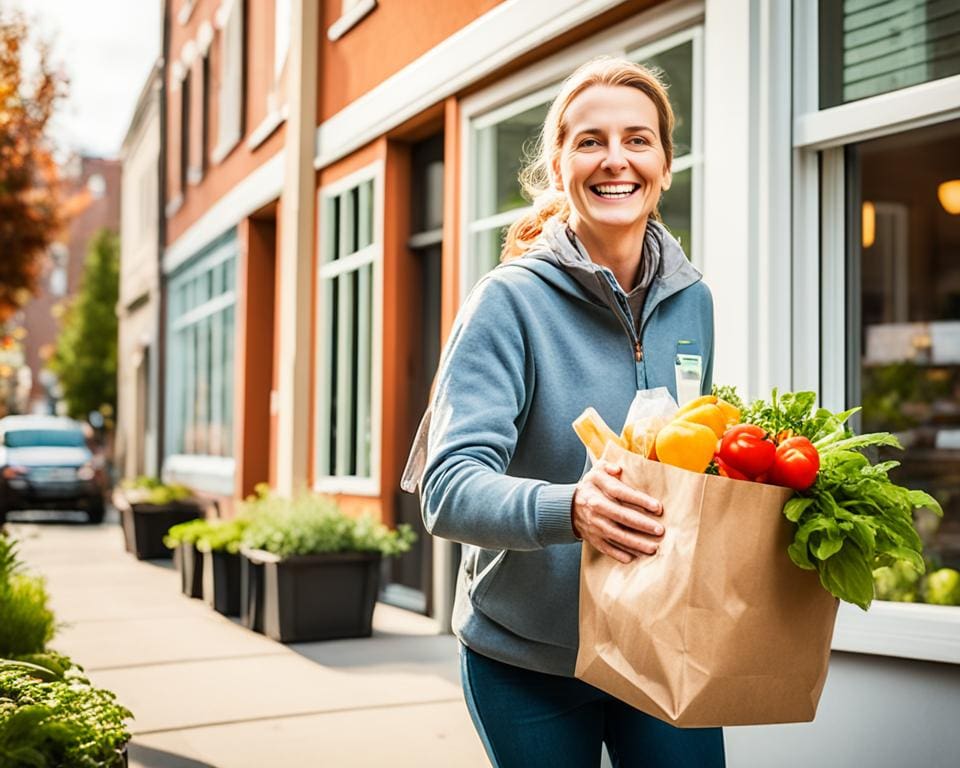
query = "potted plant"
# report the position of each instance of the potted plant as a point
(220, 545)
(320, 566)
(148, 509)
(50, 714)
(187, 558)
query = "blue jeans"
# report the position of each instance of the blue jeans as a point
(530, 719)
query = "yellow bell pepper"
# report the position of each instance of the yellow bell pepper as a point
(709, 415)
(695, 403)
(687, 445)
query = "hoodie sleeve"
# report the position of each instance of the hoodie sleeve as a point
(481, 391)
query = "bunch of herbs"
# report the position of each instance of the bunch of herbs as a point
(854, 519)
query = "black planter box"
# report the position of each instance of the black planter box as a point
(221, 582)
(188, 560)
(319, 597)
(145, 525)
(251, 591)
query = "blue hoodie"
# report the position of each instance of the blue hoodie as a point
(530, 350)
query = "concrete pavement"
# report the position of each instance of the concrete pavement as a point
(207, 692)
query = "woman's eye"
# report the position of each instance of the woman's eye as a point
(638, 141)
(589, 143)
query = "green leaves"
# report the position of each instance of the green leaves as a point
(60, 722)
(26, 621)
(854, 519)
(311, 524)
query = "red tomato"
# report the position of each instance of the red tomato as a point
(796, 464)
(727, 471)
(747, 449)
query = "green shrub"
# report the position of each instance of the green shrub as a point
(311, 524)
(185, 533)
(150, 490)
(26, 621)
(62, 722)
(224, 535)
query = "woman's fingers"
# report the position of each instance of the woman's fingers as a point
(608, 481)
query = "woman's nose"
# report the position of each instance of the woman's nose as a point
(614, 160)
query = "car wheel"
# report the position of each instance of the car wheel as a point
(95, 511)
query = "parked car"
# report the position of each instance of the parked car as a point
(45, 463)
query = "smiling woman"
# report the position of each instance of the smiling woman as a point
(590, 305)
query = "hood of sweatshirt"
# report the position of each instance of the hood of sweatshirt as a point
(664, 271)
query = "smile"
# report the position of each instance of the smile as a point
(614, 191)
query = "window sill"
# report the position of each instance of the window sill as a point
(349, 486)
(265, 130)
(212, 474)
(350, 19)
(173, 206)
(223, 149)
(905, 630)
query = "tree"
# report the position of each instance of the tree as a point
(29, 217)
(85, 359)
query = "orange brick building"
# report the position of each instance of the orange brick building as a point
(339, 173)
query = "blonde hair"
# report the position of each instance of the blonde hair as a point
(537, 179)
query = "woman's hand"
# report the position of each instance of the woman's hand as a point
(616, 519)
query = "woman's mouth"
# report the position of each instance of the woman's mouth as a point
(617, 191)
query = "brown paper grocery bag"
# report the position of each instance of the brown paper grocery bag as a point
(719, 627)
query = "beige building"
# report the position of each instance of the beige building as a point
(138, 306)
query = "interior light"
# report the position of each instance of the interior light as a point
(949, 195)
(868, 227)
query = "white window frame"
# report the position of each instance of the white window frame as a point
(644, 35)
(203, 471)
(819, 279)
(230, 22)
(372, 254)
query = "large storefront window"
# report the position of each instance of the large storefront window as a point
(501, 141)
(345, 448)
(200, 355)
(904, 308)
(868, 47)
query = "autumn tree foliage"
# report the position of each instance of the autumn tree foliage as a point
(30, 89)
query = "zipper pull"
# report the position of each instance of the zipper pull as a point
(638, 350)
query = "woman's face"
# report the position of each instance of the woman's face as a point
(612, 165)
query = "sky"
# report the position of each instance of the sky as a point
(107, 48)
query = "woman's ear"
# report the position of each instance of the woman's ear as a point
(667, 180)
(555, 173)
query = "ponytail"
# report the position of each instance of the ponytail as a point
(525, 230)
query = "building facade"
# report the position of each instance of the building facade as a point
(139, 304)
(341, 172)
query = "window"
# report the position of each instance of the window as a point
(230, 95)
(876, 233)
(502, 139)
(347, 408)
(185, 130)
(205, 114)
(201, 349)
(869, 47)
(904, 314)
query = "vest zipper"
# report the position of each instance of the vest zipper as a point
(638, 350)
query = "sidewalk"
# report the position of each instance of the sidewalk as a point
(208, 692)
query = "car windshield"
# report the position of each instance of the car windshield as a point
(28, 438)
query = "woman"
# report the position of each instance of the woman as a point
(588, 307)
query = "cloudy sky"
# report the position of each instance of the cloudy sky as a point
(107, 48)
